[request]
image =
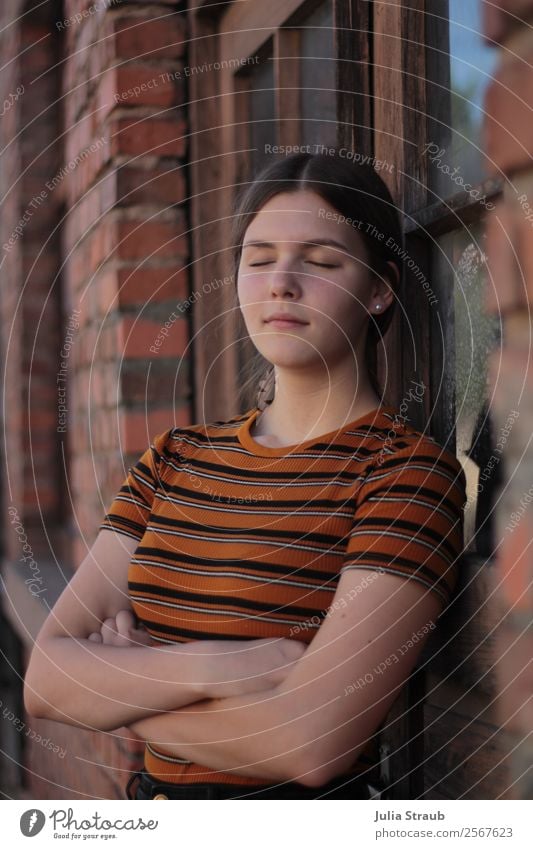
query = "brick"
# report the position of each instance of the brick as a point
(135, 286)
(83, 176)
(137, 335)
(146, 240)
(145, 37)
(500, 17)
(154, 383)
(157, 186)
(137, 429)
(109, 348)
(524, 248)
(103, 431)
(84, 215)
(515, 565)
(132, 185)
(93, 38)
(85, 346)
(42, 419)
(102, 244)
(96, 387)
(508, 370)
(113, 395)
(135, 85)
(514, 669)
(135, 136)
(78, 139)
(37, 57)
(133, 239)
(146, 284)
(104, 289)
(508, 128)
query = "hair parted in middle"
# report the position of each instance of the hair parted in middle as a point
(356, 191)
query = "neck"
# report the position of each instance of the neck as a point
(304, 408)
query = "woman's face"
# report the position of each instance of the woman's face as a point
(297, 259)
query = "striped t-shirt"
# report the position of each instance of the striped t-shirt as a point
(242, 541)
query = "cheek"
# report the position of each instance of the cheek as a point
(345, 321)
(356, 298)
(250, 304)
(248, 290)
(342, 306)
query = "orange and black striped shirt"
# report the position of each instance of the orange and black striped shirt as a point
(242, 541)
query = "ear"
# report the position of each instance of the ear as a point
(384, 287)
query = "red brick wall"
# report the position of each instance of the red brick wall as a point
(100, 267)
(509, 144)
(10, 313)
(29, 307)
(125, 239)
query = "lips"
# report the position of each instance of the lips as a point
(284, 317)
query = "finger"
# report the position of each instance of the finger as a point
(125, 621)
(95, 637)
(109, 631)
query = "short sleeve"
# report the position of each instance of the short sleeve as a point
(408, 519)
(129, 512)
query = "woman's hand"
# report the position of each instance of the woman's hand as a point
(225, 667)
(232, 668)
(219, 732)
(121, 631)
(237, 667)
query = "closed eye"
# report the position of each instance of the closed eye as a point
(310, 261)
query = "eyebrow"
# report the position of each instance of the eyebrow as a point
(308, 243)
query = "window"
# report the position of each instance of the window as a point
(317, 77)
(459, 196)
(259, 126)
(457, 139)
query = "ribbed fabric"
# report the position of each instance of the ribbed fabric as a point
(241, 541)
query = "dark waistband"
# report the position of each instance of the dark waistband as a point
(342, 788)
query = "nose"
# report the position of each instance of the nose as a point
(283, 282)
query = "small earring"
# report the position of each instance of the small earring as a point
(378, 306)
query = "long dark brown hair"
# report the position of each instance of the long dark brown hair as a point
(357, 192)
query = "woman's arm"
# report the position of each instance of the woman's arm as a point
(76, 681)
(240, 735)
(313, 726)
(73, 679)
(162, 726)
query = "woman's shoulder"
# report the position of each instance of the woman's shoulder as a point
(202, 432)
(389, 433)
(407, 448)
(421, 443)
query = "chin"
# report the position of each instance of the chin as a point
(287, 355)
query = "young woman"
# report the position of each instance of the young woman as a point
(260, 588)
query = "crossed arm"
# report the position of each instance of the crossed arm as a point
(313, 725)
(272, 709)
(72, 679)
